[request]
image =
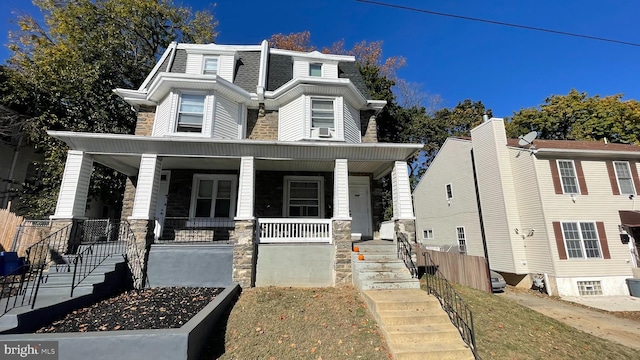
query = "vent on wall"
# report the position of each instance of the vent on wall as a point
(589, 288)
(324, 132)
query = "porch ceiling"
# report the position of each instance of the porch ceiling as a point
(122, 152)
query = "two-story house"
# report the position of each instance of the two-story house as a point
(560, 210)
(270, 154)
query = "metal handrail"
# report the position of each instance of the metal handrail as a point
(458, 311)
(405, 254)
(22, 288)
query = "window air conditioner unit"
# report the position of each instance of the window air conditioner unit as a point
(324, 132)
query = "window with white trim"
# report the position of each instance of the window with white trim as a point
(625, 181)
(567, 171)
(462, 239)
(210, 66)
(427, 234)
(191, 113)
(322, 113)
(315, 70)
(581, 240)
(449, 191)
(304, 196)
(213, 196)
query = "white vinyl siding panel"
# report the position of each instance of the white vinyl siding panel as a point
(401, 191)
(162, 121)
(330, 71)
(144, 205)
(599, 205)
(351, 124)
(300, 68)
(431, 208)
(72, 198)
(194, 63)
(226, 66)
(226, 122)
(341, 189)
(291, 120)
(245, 188)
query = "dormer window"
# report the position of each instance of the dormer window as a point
(322, 113)
(315, 70)
(191, 113)
(210, 66)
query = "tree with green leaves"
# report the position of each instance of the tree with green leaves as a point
(577, 116)
(62, 73)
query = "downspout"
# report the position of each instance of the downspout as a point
(480, 219)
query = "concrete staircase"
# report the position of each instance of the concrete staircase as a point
(413, 322)
(381, 268)
(54, 293)
(415, 326)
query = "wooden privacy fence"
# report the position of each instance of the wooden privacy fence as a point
(17, 234)
(467, 270)
(9, 223)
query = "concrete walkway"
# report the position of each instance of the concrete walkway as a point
(603, 325)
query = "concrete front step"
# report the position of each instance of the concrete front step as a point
(372, 249)
(431, 316)
(384, 274)
(392, 283)
(440, 351)
(412, 334)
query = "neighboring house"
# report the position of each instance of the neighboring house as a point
(557, 209)
(249, 145)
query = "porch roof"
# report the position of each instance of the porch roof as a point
(122, 152)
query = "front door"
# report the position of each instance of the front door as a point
(360, 208)
(161, 205)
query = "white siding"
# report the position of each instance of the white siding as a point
(338, 120)
(291, 120)
(72, 198)
(245, 188)
(194, 64)
(401, 191)
(225, 124)
(209, 115)
(452, 166)
(144, 204)
(226, 64)
(341, 190)
(173, 110)
(351, 117)
(599, 205)
(330, 71)
(162, 121)
(300, 68)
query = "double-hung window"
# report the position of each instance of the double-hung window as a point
(322, 113)
(568, 177)
(449, 191)
(623, 174)
(427, 234)
(315, 70)
(210, 66)
(462, 239)
(581, 240)
(191, 113)
(304, 196)
(213, 196)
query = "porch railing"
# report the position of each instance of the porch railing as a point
(405, 254)
(184, 229)
(459, 312)
(21, 287)
(294, 231)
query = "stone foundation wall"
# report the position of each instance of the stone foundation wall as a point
(368, 127)
(342, 242)
(408, 227)
(264, 126)
(128, 198)
(138, 251)
(244, 253)
(146, 116)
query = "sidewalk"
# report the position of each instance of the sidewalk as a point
(603, 325)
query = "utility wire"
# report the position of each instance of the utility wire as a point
(498, 22)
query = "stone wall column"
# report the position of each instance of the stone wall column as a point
(407, 227)
(245, 252)
(342, 243)
(138, 250)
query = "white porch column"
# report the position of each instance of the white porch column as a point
(144, 203)
(246, 186)
(401, 192)
(341, 190)
(72, 198)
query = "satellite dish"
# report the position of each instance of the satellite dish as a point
(527, 139)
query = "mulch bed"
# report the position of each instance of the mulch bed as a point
(157, 308)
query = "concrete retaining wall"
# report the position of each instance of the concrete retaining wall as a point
(305, 265)
(200, 265)
(171, 344)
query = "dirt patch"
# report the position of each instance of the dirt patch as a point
(157, 308)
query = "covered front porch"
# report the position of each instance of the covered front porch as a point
(248, 194)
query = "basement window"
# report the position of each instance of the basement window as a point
(586, 288)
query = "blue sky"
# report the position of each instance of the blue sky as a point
(506, 68)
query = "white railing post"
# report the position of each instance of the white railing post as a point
(294, 231)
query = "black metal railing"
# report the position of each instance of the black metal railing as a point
(458, 311)
(405, 254)
(21, 287)
(100, 241)
(183, 229)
